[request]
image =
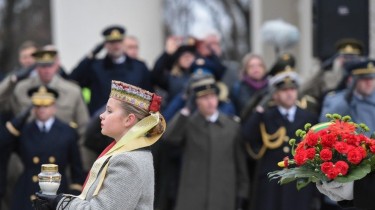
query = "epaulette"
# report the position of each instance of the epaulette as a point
(12, 129)
(236, 118)
(331, 93)
(305, 101)
(73, 125)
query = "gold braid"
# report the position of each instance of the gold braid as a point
(270, 141)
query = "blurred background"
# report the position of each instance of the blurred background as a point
(74, 27)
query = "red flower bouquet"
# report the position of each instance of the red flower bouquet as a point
(336, 150)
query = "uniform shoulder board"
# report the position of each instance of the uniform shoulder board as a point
(73, 125)
(310, 99)
(331, 93)
(236, 118)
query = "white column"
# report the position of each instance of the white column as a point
(306, 38)
(77, 26)
(256, 24)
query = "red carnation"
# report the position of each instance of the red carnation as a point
(372, 146)
(363, 151)
(352, 139)
(326, 154)
(333, 173)
(326, 166)
(310, 153)
(311, 138)
(355, 156)
(342, 166)
(363, 138)
(300, 157)
(341, 147)
(328, 140)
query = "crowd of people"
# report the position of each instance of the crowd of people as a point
(227, 126)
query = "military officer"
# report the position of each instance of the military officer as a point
(358, 100)
(213, 172)
(332, 74)
(43, 140)
(97, 74)
(70, 105)
(267, 132)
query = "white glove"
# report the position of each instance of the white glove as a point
(337, 191)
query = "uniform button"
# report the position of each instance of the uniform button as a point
(286, 149)
(286, 138)
(36, 160)
(35, 178)
(33, 197)
(52, 159)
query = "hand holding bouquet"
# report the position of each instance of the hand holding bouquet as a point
(337, 150)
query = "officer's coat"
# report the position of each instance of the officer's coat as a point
(58, 146)
(97, 75)
(361, 109)
(213, 168)
(269, 194)
(70, 106)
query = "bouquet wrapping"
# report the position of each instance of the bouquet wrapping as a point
(336, 150)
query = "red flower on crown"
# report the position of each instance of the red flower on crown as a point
(155, 103)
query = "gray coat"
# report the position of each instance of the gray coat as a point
(362, 110)
(214, 169)
(128, 185)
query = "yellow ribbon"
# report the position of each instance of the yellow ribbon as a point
(134, 139)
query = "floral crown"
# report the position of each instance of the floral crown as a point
(136, 96)
(337, 150)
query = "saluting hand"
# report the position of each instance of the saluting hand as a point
(96, 50)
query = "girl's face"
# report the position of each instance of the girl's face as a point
(113, 120)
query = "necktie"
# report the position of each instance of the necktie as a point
(44, 129)
(286, 116)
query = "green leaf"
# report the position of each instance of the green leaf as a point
(302, 183)
(286, 176)
(356, 174)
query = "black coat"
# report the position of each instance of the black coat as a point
(58, 146)
(97, 74)
(364, 190)
(269, 194)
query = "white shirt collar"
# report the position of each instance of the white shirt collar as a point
(291, 112)
(119, 60)
(213, 117)
(48, 124)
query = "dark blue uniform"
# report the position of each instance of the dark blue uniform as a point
(97, 75)
(269, 194)
(58, 146)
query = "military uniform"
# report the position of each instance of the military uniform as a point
(332, 74)
(58, 146)
(97, 74)
(267, 134)
(213, 170)
(54, 143)
(70, 105)
(350, 102)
